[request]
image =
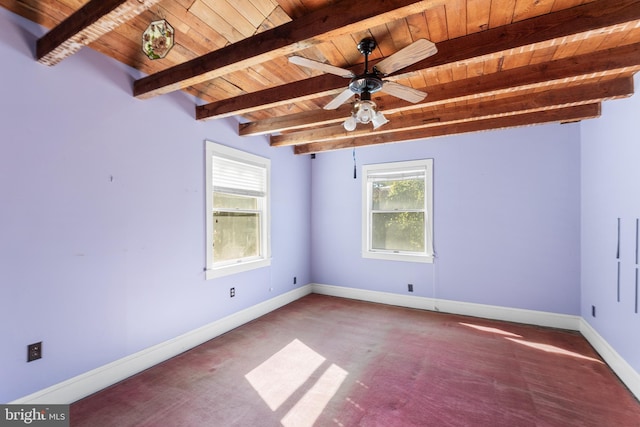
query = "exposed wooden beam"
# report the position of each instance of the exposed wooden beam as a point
(273, 97)
(86, 25)
(597, 63)
(571, 24)
(518, 104)
(568, 114)
(574, 23)
(294, 121)
(336, 19)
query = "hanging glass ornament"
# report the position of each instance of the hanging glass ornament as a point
(157, 39)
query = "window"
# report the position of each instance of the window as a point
(397, 211)
(237, 211)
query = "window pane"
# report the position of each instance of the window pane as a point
(398, 194)
(402, 231)
(236, 235)
(228, 201)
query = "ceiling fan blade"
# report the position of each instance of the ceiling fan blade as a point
(416, 51)
(309, 63)
(403, 92)
(339, 100)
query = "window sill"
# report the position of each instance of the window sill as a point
(388, 256)
(236, 268)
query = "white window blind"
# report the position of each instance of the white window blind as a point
(397, 175)
(233, 177)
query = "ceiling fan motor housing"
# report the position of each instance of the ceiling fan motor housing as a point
(366, 83)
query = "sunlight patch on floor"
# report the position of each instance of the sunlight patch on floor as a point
(553, 349)
(278, 377)
(489, 329)
(307, 410)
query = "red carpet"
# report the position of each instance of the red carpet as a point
(327, 361)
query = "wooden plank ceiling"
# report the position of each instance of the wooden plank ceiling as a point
(500, 63)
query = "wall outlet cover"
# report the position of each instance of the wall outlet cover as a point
(34, 351)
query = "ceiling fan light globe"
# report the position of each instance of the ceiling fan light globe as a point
(364, 118)
(366, 111)
(378, 120)
(350, 124)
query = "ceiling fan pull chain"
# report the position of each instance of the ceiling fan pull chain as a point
(354, 163)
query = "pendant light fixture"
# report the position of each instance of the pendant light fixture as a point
(365, 112)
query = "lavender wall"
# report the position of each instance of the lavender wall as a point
(610, 190)
(102, 218)
(506, 212)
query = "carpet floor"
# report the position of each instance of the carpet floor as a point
(326, 361)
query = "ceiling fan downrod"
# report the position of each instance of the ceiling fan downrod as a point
(369, 81)
(365, 47)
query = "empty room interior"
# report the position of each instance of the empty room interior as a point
(316, 212)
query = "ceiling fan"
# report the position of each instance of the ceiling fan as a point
(363, 85)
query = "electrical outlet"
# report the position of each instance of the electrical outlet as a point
(593, 311)
(410, 286)
(295, 280)
(34, 351)
(232, 292)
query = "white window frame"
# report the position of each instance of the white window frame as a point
(212, 150)
(367, 251)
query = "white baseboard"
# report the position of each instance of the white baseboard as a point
(531, 317)
(625, 372)
(97, 379)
